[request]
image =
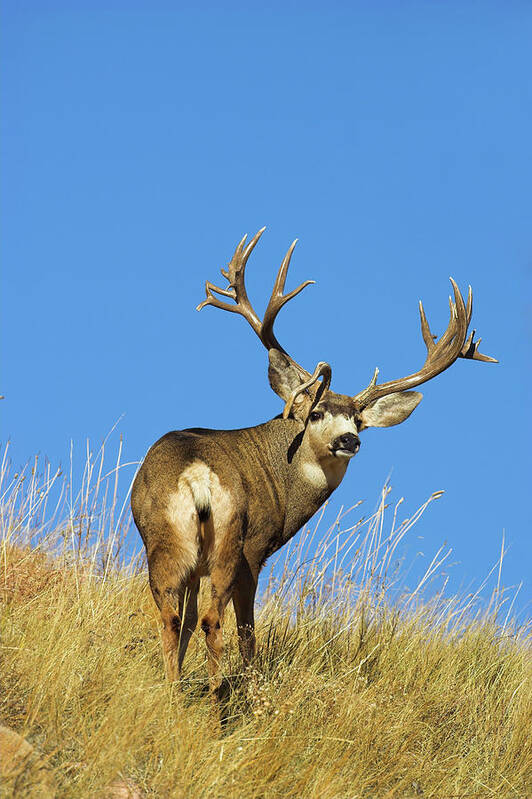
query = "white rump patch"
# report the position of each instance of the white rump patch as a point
(198, 478)
(199, 489)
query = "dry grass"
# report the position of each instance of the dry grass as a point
(356, 692)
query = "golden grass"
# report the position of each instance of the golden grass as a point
(356, 692)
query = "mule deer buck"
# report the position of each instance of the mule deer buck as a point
(218, 502)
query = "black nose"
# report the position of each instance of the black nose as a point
(348, 441)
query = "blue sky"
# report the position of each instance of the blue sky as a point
(140, 140)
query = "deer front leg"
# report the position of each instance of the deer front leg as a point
(243, 603)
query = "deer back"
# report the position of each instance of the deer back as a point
(252, 473)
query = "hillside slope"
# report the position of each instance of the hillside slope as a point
(356, 692)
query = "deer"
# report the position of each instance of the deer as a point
(218, 503)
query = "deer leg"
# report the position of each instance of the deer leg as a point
(222, 580)
(178, 625)
(211, 624)
(190, 619)
(171, 612)
(243, 602)
(176, 597)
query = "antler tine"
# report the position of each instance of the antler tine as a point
(469, 308)
(236, 255)
(230, 292)
(453, 344)
(428, 337)
(251, 246)
(457, 320)
(235, 275)
(278, 299)
(458, 315)
(280, 280)
(470, 348)
(212, 300)
(237, 265)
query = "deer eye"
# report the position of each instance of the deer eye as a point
(315, 416)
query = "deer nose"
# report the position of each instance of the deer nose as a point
(347, 441)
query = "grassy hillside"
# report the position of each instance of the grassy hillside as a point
(358, 691)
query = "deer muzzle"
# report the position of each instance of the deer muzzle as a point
(345, 445)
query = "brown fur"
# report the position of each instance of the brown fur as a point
(260, 498)
(263, 484)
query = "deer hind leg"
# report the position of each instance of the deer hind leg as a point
(179, 622)
(212, 621)
(175, 593)
(223, 574)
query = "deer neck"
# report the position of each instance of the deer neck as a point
(309, 480)
(323, 474)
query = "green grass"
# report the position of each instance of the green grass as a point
(357, 690)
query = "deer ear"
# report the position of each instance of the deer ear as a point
(390, 410)
(284, 379)
(282, 376)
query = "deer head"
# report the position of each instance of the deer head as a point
(331, 421)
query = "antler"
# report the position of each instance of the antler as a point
(322, 370)
(441, 354)
(278, 299)
(236, 290)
